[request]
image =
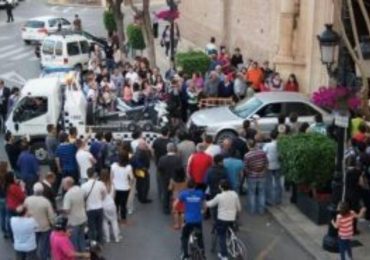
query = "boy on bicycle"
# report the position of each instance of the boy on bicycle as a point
(193, 200)
(228, 205)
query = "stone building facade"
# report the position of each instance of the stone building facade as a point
(281, 31)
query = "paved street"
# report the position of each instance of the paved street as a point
(149, 235)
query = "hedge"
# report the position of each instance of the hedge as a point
(192, 61)
(109, 21)
(135, 37)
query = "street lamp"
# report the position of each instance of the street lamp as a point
(328, 41)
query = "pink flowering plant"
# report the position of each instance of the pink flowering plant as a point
(335, 98)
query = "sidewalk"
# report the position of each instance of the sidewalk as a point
(309, 235)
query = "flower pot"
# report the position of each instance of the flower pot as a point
(315, 210)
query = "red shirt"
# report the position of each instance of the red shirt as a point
(360, 137)
(198, 165)
(14, 196)
(289, 86)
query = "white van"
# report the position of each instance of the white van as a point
(65, 50)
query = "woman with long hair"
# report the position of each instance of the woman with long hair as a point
(122, 176)
(110, 209)
(292, 84)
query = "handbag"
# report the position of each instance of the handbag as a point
(139, 173)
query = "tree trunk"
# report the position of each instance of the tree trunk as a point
(148, 33)
(118, 16)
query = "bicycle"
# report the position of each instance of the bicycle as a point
(194, 249)
(235, 246)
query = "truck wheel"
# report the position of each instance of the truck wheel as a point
(39, 150)
(132, 127)
(148, 127)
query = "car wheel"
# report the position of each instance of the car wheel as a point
(148, 127)
(40, 152)
(132, 127)
(224, 135)
(27, 42)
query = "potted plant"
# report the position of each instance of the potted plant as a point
(308, 160)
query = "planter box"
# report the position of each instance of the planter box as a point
(317, 211)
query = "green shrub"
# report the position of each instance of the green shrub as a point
(109, 21)
(192, 61)
(135, 37)
(307, 158)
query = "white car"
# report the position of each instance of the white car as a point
(65, 50)
(13, 2)
(36, 29)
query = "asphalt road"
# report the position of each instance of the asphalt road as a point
(149, 235)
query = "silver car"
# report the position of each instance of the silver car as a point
(224, 122)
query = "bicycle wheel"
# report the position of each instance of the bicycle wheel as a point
(237, 249)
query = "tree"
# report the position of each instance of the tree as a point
(115, 7)
(354, 46)
(143, 15)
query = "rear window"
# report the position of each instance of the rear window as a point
(85, 47)
(35, 24)
(59, 49)
(73, 48)
(48, 47)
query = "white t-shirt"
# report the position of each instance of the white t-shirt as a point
(210, 47)
(84, 160)
(24, 232)
(121, 176)
(213, 150)
(228, 205)
(132, 76)
(97, 194)
(74, 202)
(272, 155)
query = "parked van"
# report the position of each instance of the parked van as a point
(65, 50)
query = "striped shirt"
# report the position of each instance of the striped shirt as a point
(255, 163)
(345, 225)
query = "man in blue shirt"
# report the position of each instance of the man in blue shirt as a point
(65, 157)
(193, 200)
(234, 169)
(28, 167)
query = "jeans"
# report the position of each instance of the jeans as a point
(20, 255)
(78, 238)
(95, 224)
(166, 195)
(274, 189)
(222, 227)
(256, 195)
(185, 234)
(9, 214)
(345, 247)
(131, 197)
(43, 244)
(142, 186)
(121, 202)
(3, 217)
(29, 182)
(110, 219)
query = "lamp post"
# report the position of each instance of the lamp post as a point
(329, 41)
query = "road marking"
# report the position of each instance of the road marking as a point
(68, 9)
(10, 53)
(7, 47)
(21, 56)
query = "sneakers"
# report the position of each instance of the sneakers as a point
(222, 257)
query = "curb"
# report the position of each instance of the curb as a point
(50, 2)
(298, 234)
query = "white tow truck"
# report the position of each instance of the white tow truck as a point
(58, 99)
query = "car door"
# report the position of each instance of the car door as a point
(53, 25)
(85, 53)
(305, 112)
(47, 53)
(74, 53)
(268, 116)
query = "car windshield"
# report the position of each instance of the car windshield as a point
(35, 24)
(246, 107)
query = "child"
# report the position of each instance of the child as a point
(344, 224)
(177, 184)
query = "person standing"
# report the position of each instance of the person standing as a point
(274, 188)
(9, 11)
(4, 97)
(65, 158)
(85, 160)
(94, 195)
(168, 165)
(255, 165)
(12, 150)
(48, 191)
(51, 143)
(77, 24)
(228, 206)
(110, 209)
(74, 208)
(185, 148)
(42, 211)
(28, 167)
(122, 179)
(3, 221)
(141, 163)
(198, 165)
(24, 231)
(318, 126)
(234, 169)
